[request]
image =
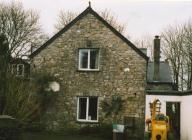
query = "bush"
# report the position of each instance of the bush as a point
(9, 128)
(35, 127)
(101, 130)
(89, 130)
(106, 131)
(21, 102)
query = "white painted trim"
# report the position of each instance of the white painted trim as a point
(13, 66)
(88, 69)
(89, 59)
(77, 108)
(88, 65)
(23, 70)
(97, 109)
(87, 110)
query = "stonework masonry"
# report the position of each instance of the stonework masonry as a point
(159, 86)
(122, 71)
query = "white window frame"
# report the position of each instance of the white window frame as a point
(87, 110)
(23, 70)
(13, 66)
(88, 69)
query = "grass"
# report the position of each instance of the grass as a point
(49, 136)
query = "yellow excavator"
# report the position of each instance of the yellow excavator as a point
(158, 124)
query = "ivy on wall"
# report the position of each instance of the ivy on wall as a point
(45, 94)
(113, 107)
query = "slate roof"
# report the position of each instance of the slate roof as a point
(164, 71)
(19, 61)
(89, 10)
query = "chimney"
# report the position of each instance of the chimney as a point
(156, 58)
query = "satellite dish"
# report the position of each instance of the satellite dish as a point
(54, 86)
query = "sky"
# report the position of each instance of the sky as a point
(141, 17)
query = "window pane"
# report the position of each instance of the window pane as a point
(83, 59)
(92, 108)
(82, 108)
(94, 59)
(14, 69)
(20, 69)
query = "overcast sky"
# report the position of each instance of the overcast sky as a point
(141, 17)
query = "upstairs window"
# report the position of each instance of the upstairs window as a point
(17, 69)
(89, 59)
(87, 109)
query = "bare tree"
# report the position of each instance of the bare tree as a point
(21, 101)
(172, 39)
(187, 28)
(4, 59)
(65, 17)
(19, 29)
(177, 47)
(146, 41)
(20, 26)
(110, 17)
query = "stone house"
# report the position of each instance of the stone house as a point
(94, 63)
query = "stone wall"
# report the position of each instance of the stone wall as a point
(122, 72)
(160, 86)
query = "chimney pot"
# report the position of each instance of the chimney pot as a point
(157, 37)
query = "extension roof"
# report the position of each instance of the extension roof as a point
(169, 92)
(19, 61)
(89, 10)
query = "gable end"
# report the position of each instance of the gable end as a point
(91, 11)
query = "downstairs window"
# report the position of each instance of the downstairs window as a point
(87, 109)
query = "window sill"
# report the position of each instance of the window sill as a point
(89, 70)
(87, 122)
(19, 75)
